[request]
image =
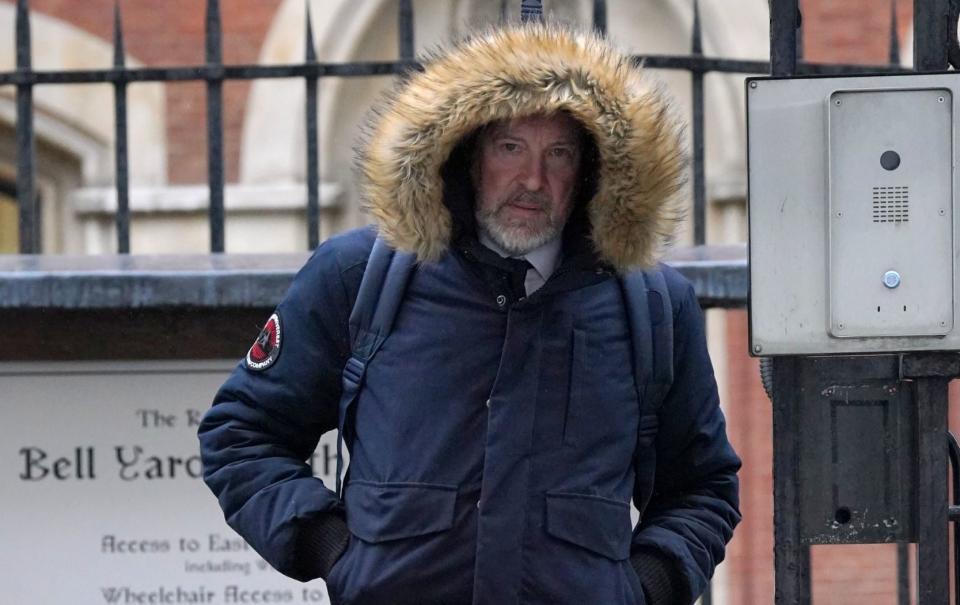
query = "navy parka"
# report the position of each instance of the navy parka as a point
(496, 449)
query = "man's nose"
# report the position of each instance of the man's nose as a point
(533, 175)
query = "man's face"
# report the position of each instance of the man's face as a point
(525, 175)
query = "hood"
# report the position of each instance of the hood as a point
(515, 71)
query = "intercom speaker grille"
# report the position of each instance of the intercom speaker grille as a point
(891, 204)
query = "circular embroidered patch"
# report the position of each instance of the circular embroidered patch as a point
(266, 348)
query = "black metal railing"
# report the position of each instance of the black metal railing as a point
(214, 73)
(953, 449)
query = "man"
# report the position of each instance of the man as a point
(500, 434)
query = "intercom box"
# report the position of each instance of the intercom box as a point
(852, 222)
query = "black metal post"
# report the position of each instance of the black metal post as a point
(903, 573)
(120, 134)
(214, 57)
(783, 37)
(405, 25)
(801, 37)
(313, 154)
(600, 16)
(791, 558)
(699, 179)
(954, 450)
(894, 56)
(26, 180)
(531, 10)
(931, 37)
(932, 528)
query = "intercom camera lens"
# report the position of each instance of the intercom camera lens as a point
(890, 160)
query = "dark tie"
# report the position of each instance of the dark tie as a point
(518, 275)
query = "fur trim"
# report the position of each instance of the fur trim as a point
(515, 71)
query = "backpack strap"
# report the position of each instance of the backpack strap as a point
(650, 314)
(378, 300)
(661, 318)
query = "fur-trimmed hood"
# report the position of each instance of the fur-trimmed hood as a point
(515, 71)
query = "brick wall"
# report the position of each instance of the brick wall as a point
(851, 31)
(171, 32)
(749, 423)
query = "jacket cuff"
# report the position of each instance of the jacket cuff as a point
(659, 577)
(320, 544)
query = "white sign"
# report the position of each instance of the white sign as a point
(102, 496)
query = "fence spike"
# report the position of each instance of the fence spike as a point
(312, 135)
(118, 48)
(23, 35)
(894, 35)
(600, 16)
(29, 231)
(405, 27)
(311, 51)
(214, 47)
(801, 35)
(215, 173)
(697, 43)
(121, 159)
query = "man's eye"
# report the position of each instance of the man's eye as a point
(510, 147)
(561, 152)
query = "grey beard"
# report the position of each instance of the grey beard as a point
(515, 240)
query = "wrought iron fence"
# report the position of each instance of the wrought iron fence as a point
(784, 36)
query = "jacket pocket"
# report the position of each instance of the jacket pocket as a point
(600, 525)
(378, 512)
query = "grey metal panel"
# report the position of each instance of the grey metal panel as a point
(892, 220)
(858, 449)
(788, 208)
(790, 554)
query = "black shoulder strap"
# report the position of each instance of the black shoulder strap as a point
(378, 299)
(381, 292)
(650, 314)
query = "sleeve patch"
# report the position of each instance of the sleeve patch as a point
(266, 348)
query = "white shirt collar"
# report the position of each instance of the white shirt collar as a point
(544, 259)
